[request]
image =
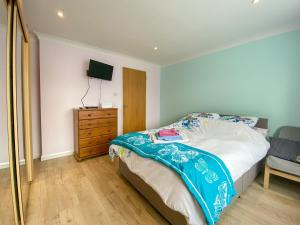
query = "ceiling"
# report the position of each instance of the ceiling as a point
(180, 28)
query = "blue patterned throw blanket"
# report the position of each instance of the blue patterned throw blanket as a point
(204, 174)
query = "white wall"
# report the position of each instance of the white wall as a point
(3, 114)
(35, 96)
(35, 99)
(63, 82)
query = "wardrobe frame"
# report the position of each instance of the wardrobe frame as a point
(14, 15)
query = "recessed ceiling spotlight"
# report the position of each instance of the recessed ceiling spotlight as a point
(60, 14)
(254, 2)
(155, 48)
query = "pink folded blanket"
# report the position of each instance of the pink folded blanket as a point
(168, 132)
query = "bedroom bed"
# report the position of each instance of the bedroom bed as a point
(175, 203)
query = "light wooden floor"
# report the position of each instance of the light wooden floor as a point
(91, 193)
(6, 206)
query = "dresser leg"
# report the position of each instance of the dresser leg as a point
(77, 158)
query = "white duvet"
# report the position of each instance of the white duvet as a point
(239, 146)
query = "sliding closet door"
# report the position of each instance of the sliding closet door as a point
(18, 113)
(24, 179)
(22, 112)
(6, 198)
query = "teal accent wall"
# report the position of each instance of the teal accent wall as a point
(261, 78)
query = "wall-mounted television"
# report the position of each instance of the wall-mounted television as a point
(100, 70)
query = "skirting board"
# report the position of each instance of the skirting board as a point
(56, 155)
(6, 164)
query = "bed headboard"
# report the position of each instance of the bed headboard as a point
(262, 123)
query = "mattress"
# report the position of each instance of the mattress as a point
(283, 165)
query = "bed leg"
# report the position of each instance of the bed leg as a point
(266, 177)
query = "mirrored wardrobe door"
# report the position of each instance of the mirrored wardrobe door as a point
(25, 185)
(6, 200)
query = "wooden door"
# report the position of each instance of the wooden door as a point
(134, 100)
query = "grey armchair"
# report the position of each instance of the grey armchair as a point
(280, 167)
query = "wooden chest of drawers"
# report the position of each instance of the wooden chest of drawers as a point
(93, 130)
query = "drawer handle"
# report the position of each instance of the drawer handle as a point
(89, 114)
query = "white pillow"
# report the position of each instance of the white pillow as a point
(247, 120)
(214, 116)
(193, 119)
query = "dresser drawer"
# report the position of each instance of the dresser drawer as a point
(95, 114)
(108, 122)
(89, 142)
(92, 151)
(87, 133)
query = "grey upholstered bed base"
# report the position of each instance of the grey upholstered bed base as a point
(172, 216)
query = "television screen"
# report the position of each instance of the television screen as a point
(100, 70)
